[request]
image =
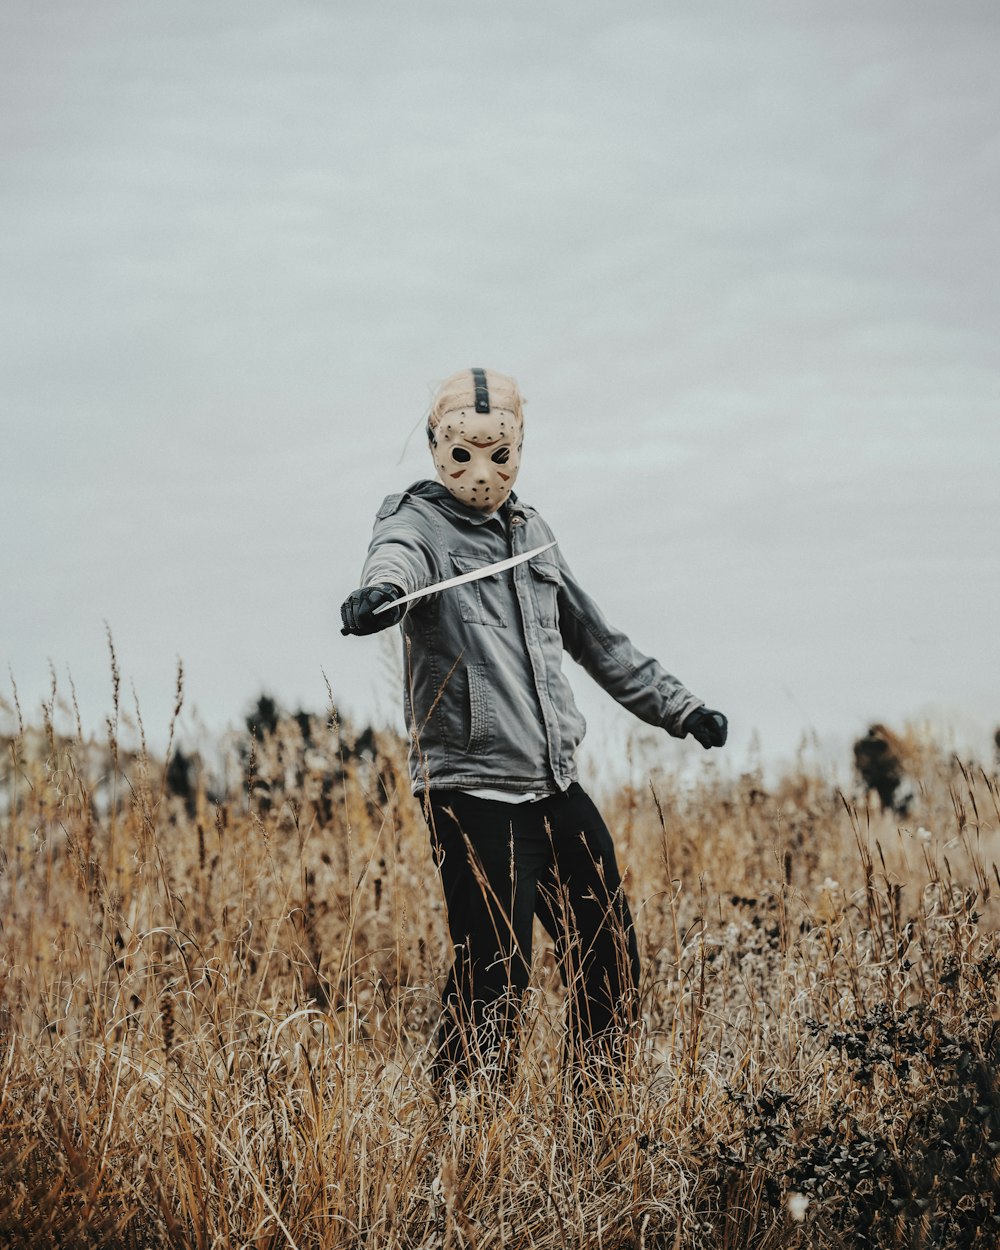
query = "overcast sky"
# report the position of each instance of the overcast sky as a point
(742, 259)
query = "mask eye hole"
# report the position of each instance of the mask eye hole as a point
(461, 454)
(501, 455)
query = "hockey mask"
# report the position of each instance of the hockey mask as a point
(475, 432)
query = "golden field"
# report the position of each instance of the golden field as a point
(216, 999)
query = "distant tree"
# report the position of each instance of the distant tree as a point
(181, 778)
(263, 720)
(878, 758)
(365, 745)
(304, 721)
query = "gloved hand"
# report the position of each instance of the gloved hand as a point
(357, 610)
(709, 727)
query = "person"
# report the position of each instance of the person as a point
(494, 730)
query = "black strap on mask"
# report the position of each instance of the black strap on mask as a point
(482, 390)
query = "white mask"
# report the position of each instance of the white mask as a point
(477, 454)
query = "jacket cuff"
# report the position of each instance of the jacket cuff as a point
(675, 718)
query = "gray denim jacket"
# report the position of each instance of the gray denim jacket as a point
(486, 700)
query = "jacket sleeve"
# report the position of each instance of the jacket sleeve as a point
(636, 681)
(402, 550)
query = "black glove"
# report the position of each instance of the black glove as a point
(357, 610)
(710, 728)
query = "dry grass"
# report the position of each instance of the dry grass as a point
(215, 1012)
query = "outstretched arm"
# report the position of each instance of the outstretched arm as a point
(636, 681)
(400, 560)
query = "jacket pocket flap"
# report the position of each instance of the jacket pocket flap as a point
(468, 563)
(546, 570)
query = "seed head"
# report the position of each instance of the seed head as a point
(796, 1205)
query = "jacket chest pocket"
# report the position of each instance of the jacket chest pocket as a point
(546, 582)
(484, 601)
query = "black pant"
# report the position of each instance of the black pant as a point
(501, 865)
